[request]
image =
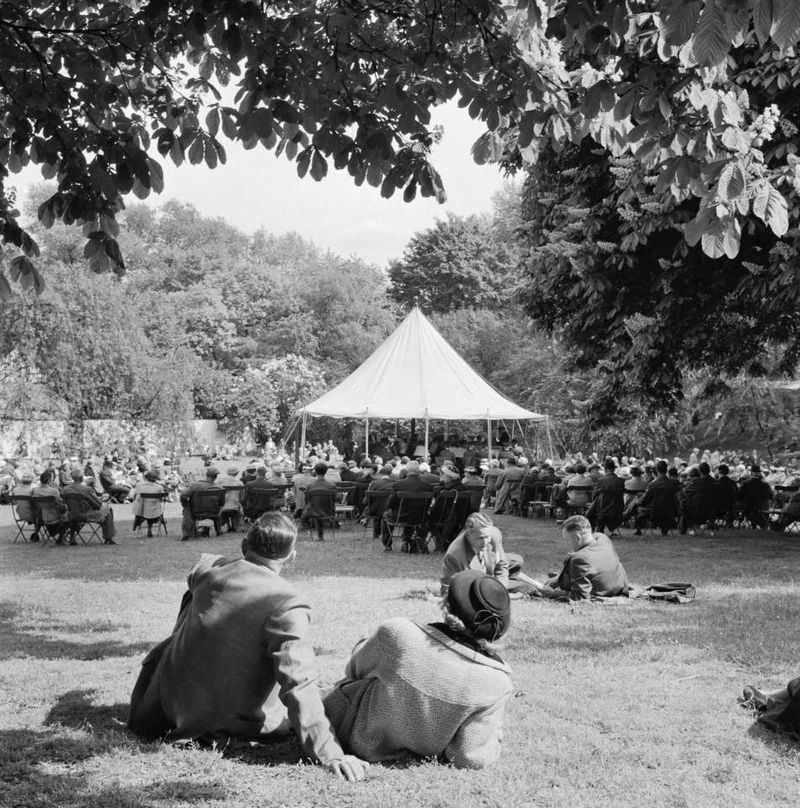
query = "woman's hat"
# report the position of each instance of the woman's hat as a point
(481, 602)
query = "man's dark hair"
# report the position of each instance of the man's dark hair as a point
(580, 468)
(272, 535)
(673, 472)
(723, 469)
(661, 467)
(47, 476)
(705, 469)
(609, 465)
(320, 469)
(261, 471)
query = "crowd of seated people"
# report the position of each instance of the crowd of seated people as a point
(661, 493)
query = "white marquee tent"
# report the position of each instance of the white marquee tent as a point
(415, 373)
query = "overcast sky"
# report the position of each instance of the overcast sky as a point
(256, 189)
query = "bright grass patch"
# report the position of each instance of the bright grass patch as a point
(625, 704)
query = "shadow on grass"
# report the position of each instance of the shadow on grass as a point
(782, 743)
(76, 710)
(27, 776)
(24, 639)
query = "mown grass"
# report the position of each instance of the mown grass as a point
(614, 704)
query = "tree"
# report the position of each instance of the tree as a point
(455, 264)
(611, 270)
(86, 88)
(263, 398)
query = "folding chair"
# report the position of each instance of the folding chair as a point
(582, 499)
(412, 516)
(258, 501)
(527, 495)
(22, 524)
(440, 524)
(205, 505)
(154, 497)
(52, 523)
(231, 512)
(344, 500)
(541, 502)
(320, 508)
(374, 506)
(77, 523)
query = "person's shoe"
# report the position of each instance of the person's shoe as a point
(34, 538)
(149, 534)
(73, 542)
(184, 538)
(637, 532)
(108, 541)
(387, 549)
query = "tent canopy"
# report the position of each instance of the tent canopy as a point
(415, 373)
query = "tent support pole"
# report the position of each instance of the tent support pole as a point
(366, 436)
(488, 438)
(303, 434)
(427, 423)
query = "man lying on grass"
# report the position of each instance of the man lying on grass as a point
(591, 569)
(430, 690)
(240, 657)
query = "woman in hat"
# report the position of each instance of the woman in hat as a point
(430, 690)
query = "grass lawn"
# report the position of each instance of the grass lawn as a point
(614, 705)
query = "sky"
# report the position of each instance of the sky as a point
(256, 189)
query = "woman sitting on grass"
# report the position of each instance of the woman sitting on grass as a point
(430, 690)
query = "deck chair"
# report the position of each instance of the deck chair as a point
(157, 501)
(26, 528)
(78, 526)
(412, 517)
(205, 505)
(320, 511)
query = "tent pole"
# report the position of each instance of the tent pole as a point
(488, 438)
(303, 435)
(425, 456)
(366, 435)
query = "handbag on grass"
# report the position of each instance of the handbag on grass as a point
(671, 592)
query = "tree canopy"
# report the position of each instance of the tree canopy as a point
(89, 88)
(620, 263)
